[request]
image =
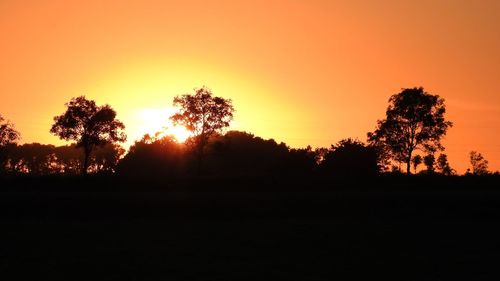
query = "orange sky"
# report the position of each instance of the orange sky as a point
(302, 72)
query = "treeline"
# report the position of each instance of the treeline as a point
(45, 159)
(240, 154)
(234, 154)
(408, 137)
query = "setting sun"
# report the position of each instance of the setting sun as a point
(156, 120)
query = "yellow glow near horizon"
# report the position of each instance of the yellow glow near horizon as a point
(142, 93)
(156, 121)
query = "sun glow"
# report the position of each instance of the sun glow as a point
(155, 121)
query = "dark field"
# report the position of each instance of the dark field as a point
(107, 229)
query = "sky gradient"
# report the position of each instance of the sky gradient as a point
(301, 72)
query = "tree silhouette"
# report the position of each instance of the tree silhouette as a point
(429, 161)
(350, 157)
(416, 161)
(8, 137)
(479, 163)
(106, 158)
(414, 121)
(33, 158)
(89, 125)
(7, 132)
(242, 154)
(204, 115)
(154, 157)
(443, 166)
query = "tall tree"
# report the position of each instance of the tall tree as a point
(204, 115)
(479, 163)
(89, 126)
(8, 137)
(414, 121)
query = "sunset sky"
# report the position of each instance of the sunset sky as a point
(301, 72)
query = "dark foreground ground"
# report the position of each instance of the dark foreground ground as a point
(255, 230)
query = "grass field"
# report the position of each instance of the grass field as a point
(249, 231)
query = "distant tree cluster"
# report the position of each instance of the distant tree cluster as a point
(41, 159)
(410, 135)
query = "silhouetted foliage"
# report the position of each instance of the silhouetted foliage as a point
(443, 166)
(429, 162)
(303, 160)
(8, 137)
(243, 154)
(35, 159)
(154, 157)
(235, 154)
(89, 125)
(70, 159)
(414, 121)
(204, 115)
(41, 159)
(8, 133)
(416, 161)
(479, 163)
(350, 158)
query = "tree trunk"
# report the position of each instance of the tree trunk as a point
(408, 161)
(86, 151)
(408, 165)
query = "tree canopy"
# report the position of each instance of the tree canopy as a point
(8, 133)
(8, 137)
(202, 113)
